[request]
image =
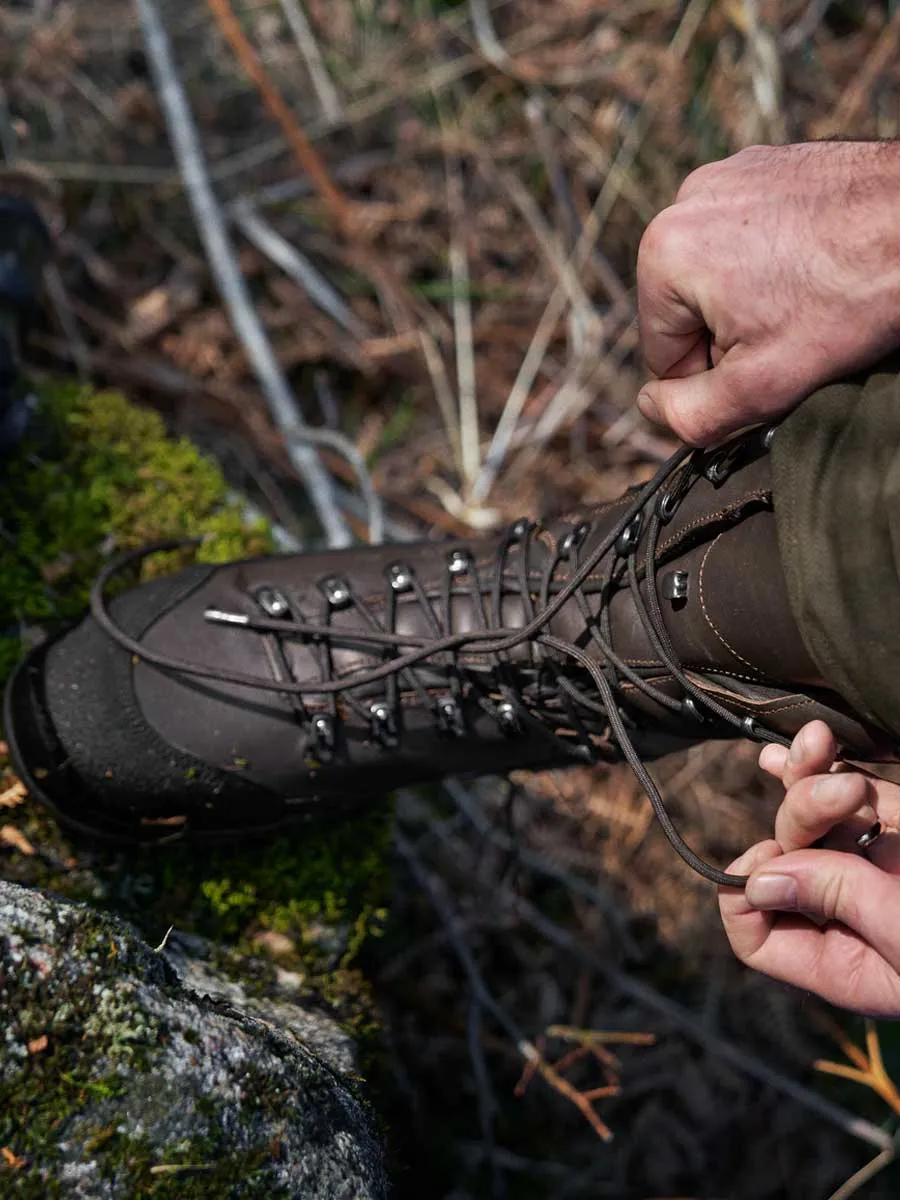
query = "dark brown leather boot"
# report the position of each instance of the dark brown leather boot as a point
(228, 699)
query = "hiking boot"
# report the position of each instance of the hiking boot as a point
(223, 700)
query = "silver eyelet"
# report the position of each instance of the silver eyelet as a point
(323, 732)
(666, 506)
(459, 562)
(574, 538)
(336, 591)
(718, 470)
(518, 529)
(384, 728)
(400, 576)
(690, 706)
(273, 602)
(450, 717)
(507, 716)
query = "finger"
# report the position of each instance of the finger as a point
(812, 807)
(701, 179)
(696, 359)
(812, 756)
(747, 927)
(812, 752)
(832, 887)
(832, 961)
(704, 408)
(773, 759)
(670, 317)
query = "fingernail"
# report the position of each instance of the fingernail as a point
(771, 757)
(772, 891)
(649, 407)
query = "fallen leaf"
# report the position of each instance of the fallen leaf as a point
(16, 838)
(13, 795)
(36, 1045)
(275, 943)
(153, 312)
(55, 571)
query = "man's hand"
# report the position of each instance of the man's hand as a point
(784, 264)
(827, 920)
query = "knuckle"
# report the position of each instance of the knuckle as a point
(660, 251)
(697, 180)
(838, 900)
(719, 175)
(800, 826)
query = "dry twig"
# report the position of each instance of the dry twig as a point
(534, 357)
(223, 264)
(309, 48)
(869, 1070)
(299, 143)
(434, 889)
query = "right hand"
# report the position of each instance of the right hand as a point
(785, 262)
(817, 912)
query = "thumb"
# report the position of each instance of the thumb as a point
(708, 406)
(832, 886)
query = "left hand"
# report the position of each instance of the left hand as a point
(784, 258)
(824, 919)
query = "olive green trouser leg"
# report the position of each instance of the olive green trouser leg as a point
(836, 463)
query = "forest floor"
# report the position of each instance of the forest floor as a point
(436, 210)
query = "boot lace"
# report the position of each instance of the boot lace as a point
(542, 705)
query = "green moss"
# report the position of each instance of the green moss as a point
(195, 1168)
(324, 888)
(102, 474)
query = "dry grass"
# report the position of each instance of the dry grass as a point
(468, 184)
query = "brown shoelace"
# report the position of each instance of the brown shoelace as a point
(536, 706)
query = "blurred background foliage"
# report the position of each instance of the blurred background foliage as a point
(435, 209)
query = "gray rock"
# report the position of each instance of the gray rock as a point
(118, 1078)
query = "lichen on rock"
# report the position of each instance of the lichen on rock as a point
(117, 1079)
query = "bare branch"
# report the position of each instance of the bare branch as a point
(302, 30)
(223, 264)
